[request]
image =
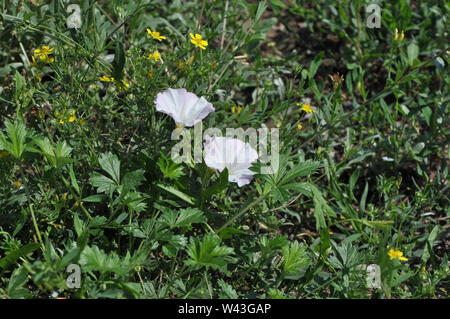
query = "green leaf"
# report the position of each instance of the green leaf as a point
(172, 190)
(413, 52)
(95, 259)
(17, 253)
(15, 286)
(325, 243)
(228, 232)
(345, 256)
(19, 85)
(119, 61)
(278, 3)
(169, 251)
(260, 10)
(387, 112)
(189, 216)
(169, 168)
(110, 164)
(57, 156)
(301, 169)
(362, 202)
(379, 224)
(182, 218)
(427, 113)
(134, 179)
(218, 186)
(227, 290)
(71, 255)
(319, 203)
(102, 183)
(294, 257)
(208, 252)
(429, 244)
(315, 65)
(95, 198)
(78, 225)
(15, 140)
(73, 180)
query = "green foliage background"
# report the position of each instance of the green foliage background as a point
(367, 170)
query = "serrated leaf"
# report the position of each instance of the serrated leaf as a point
(294, 257)
(208, 252)
(110, 164)
(227, 290)
(12, 256)
(102, 183)
(134, 179)
(15, 140)
(182, 218)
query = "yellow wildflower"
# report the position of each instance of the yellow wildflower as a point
(155, 55)
(72, 117)
(299, 126)
(198, 41)
(396, 254)
(233, 109)
(17, 184)
(400, 37)
(43, 54)
(106, 79)
(155, 35)
(307, 108)
(44, 51)
(48, 59)
(123, 85)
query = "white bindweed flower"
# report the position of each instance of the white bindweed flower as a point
(184, 107)
(232, 153)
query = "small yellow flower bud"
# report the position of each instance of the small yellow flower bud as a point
(17, 184)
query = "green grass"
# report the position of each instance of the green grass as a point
(97, 187)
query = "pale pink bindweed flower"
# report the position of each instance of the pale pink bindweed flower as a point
(186, 108)
(232, 153)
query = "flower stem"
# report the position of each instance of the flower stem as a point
(33, 217)
(245, 209)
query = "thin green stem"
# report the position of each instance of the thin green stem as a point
(33, 216)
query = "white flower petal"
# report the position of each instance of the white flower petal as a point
(232, 153)
(186, 108)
